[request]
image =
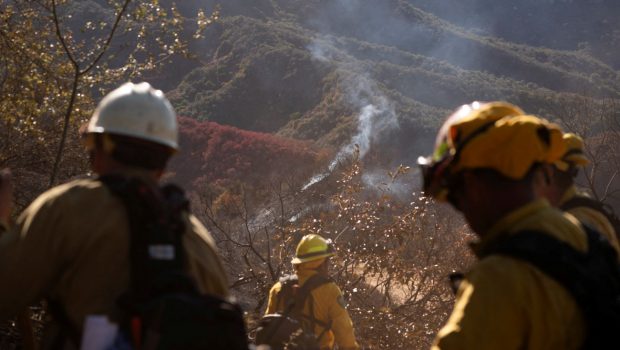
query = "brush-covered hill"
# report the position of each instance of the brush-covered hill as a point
(589, 25)
(305, 69)
(225, 156)
(308, 69)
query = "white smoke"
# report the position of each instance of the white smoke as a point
(376, 113)
(322, 50)
(399, 186)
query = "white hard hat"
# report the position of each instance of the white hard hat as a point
(139, 111)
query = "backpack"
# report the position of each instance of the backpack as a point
(606, 210)
(592, 278)
(163, 307)
(292, 329)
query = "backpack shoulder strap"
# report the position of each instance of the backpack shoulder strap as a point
(156, 227)
(555, 258)
(582, 201)
(304, 294)
(592, 278)
(286, 297)
(311, 284)
(295, 300)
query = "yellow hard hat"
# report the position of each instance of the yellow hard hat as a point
(494, 136)
(574, 152)
(473, 116)
(313, 247)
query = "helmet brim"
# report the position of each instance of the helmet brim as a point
(434, 177)
(297, 261)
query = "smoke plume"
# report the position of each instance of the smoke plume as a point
(376, 114)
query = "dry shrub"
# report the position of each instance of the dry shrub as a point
(392, 262)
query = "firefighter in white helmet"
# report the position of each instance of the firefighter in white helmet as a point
(71, 245)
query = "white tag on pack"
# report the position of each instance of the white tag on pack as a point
(161, 251)
(99, 333)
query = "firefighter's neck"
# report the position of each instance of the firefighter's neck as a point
(103, 164)
(487, 201)
(324, 268)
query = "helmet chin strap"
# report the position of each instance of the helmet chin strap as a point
(108, 144)
(323, 268)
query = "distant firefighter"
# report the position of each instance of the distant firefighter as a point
(307, 310)
(560, 189)
(542, 281)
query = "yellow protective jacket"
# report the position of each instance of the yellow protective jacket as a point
(591, 217)
(504, 303)
(71, 245)
(329, 307)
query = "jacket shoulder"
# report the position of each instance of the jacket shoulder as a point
(67, 194)
(329, 290)
(593, 218)
(72, 188)
(197, 229)
(498, 269)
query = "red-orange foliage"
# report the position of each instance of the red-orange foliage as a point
(225, 154)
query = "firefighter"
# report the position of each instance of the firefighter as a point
(325, 302)
(71, 245)
(560, 189)
(486, 162)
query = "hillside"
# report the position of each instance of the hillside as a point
(224, 156)
(382, 75)
(587, 25)
(306, 69)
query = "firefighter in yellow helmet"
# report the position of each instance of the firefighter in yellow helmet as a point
(560, 189)
(486, 162)
(325, 302)
(71, 245)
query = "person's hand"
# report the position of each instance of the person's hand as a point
(6, 197)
